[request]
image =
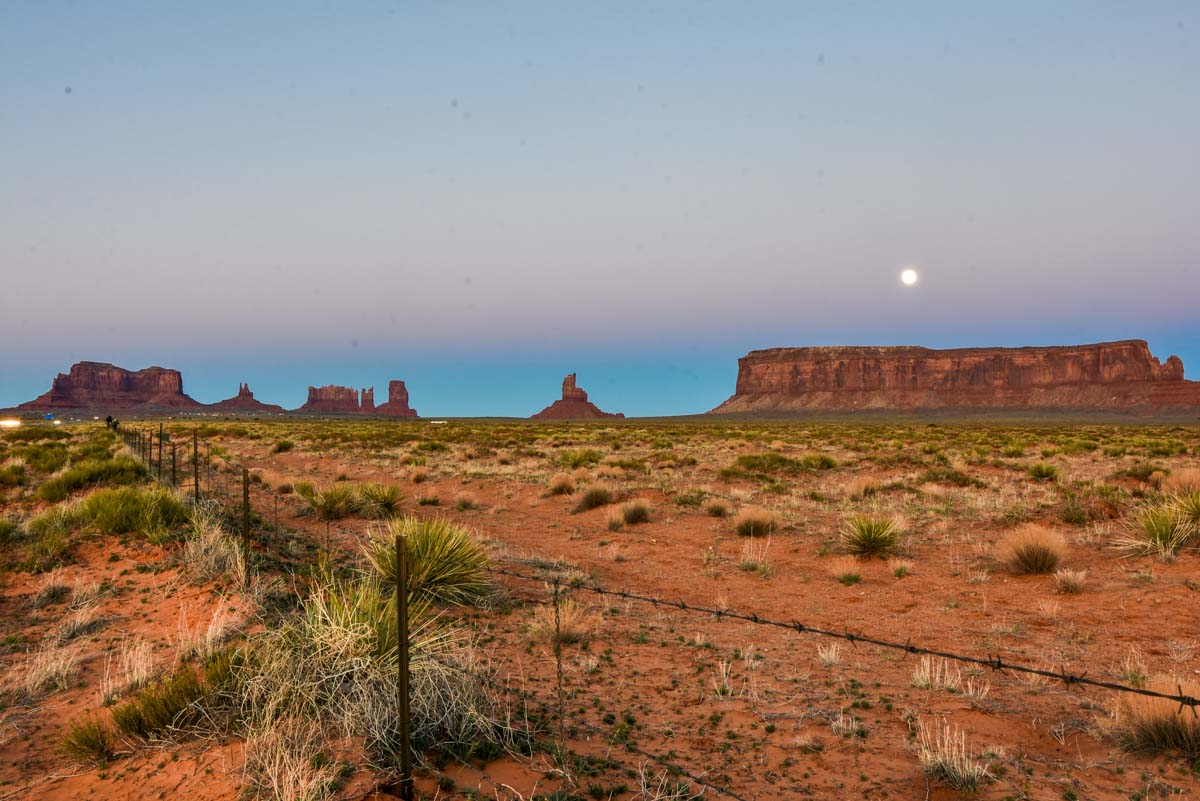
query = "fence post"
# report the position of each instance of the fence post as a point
(196, 463)
(406, 783)
(160, 449)
(246, 512)
(174, 467)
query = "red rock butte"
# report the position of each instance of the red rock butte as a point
(397, 402)
(244, 401)
(1109, 376)
(573, 405)
(95, 385)
(347, 400)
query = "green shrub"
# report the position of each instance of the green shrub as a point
(122, 470)
(778, 463)
(379, 501)
(580, 458)
(45, 458)
(870, 536)
(8, 530)
(446, 563)
(131, 510)
(1042, 471)
(283, 446)
(594, 498)
(168, 704)
(948, 475)
(13, 475)
(691, 499)
(333, 502)
(89, 740)
(1161, 530)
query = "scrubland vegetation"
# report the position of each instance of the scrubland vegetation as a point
(138, 621)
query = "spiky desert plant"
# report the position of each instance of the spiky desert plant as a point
(1187, 503)
(151, 512)
(379, 501)
(1156, 725)
(333, 502)
(942, 751)
(1160, 530)
(1033, 548)
(1042, 471)
(446, 562)
(561, 484)
(755, 521)
(864, 535)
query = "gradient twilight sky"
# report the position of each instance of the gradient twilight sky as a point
(481, 197)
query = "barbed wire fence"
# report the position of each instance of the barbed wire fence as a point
(198, 477)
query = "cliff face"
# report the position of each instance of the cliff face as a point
(95, 385)
(1114, 376)
(573, 405)
(397, 402)
(244, 401)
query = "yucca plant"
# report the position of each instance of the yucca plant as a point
(333, 502)
(1188, 505)
(379, 501)
(446, 563)
(1160, 530)
(870, 536)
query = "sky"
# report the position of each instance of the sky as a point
(479, 198)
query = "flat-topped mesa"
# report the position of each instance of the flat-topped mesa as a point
(397, 402)
(573, 405)
(1109, 376)
(368, 400)
(332, 399)
(97, 385)
(244, 401)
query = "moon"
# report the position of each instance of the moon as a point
(908, 277)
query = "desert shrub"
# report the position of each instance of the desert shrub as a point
(126, 510)
(870, 536)
(594, 497)
(1161, 530)
(575, 624)
(121, 470)
(168, 704)
(635, 512)
(283, 446)
(944, 757)
(846, 569)
(465, 503)
(446, 563)
(46, 669)
(13, 475)
(89, 740)
(418, 476)
(948, 475)
(1183, 481)
(579, 458)
(1041, 471)
(561, 484)
(8, 530)
(45, 458)
(209, 551)
(1033, 548)
(1155, 725)
(379, 501)
(1070, 581)
(755, 522)
(334, 502)
(690, 499)
(49, 537)
(778, 463)
(1187, 504)
(862, 487)
(716, 509)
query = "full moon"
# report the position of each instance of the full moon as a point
(908, 277)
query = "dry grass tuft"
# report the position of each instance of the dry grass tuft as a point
(846, 569)
(575, 623)
(1184, 480)
(1033, 548)
(1156, 725)
(754, 521)
(942, 751)
(561, 484)
(1070, 581)
(48, 669)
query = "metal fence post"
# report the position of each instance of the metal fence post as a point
(160, 449)
(246, 511)
(196, 463)
(406, 782)
(174, 467)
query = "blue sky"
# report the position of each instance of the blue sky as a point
(481, 197)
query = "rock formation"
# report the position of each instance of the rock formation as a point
(331, 399)
(368, 400)
(244, 401)
(574, 405)
(95, 385)
(397, 402)
(1110, 376)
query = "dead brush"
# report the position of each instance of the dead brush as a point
(561, 484)
(575, 624)
(1033, 548)
(283, 761)
(209, 551)
(49, 668)
(754, 521)
(1070, 581)
(134, 670)
(942, 752)
(1152, 725)
(935, 673)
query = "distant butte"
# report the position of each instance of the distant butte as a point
(95, 385)
(573, 405)
(244, 401)
(1109, 376)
